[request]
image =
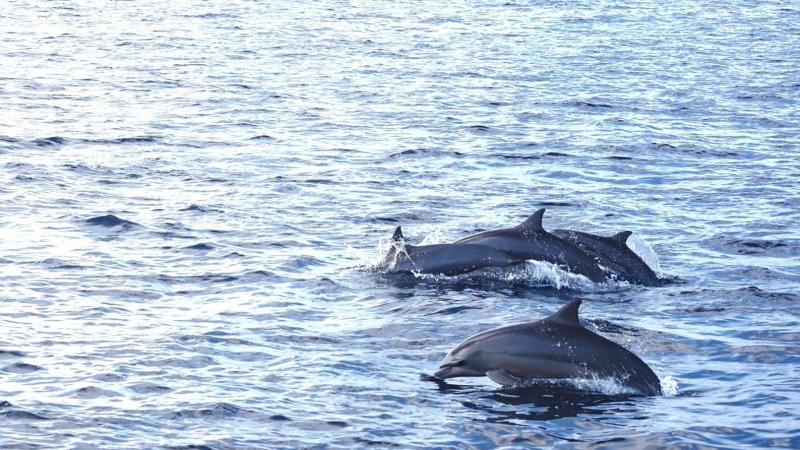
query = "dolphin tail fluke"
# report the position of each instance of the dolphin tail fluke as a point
(534, 222)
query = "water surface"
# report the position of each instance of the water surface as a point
(190, 191)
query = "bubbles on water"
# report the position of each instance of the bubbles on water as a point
(544, 273)
(593, 383)
(603, 385)
(669, 386)
(645, 251)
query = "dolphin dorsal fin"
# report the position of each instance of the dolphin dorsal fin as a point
(534, 222)
(622, 236)
(398, 235)
(567, 315)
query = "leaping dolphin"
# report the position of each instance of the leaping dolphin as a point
(555, 347)
(444, 259)
(614, 253)
(529, 240)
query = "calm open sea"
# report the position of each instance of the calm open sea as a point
(255, 158)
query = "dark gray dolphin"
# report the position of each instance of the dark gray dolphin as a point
(529, 240)
(444, 259)
(613, 253)
(555, 347)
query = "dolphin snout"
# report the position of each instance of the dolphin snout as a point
(442, 373)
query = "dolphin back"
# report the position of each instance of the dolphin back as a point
(451, 259)
(613, 253)
(530, 241)
(555, 347)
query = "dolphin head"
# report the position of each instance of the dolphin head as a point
(461, 362)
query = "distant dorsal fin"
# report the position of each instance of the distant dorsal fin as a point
(622, 236)
(398, 235)
(534, 222)
(567, 315)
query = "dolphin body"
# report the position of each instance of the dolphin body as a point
(444, 259)
(529, 240)
(555, 347)
(613, 253)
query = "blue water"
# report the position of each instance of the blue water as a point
(192, 192)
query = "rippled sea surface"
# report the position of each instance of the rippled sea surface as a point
(191, 192)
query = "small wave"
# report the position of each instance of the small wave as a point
(217, 410)
(199, 208)
(378, 219)
(124, 140)
(507, 156)
(190, 447)
(21, 367)
(585, 104)
(553, 203)
(213, 339)
(91, 392)
(763, 247)
(425, 152)
(606, 326)
(195, 362)
(452, 310)
(9, 411)
(148, 388)
(49, 141)
(56, 264)
(200, 246)
(262, 137)
(110, 221)
(479, 128)
(4, 354)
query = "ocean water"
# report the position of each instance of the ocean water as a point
(191, 194)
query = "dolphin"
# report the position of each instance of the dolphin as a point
(556, 347)
(444, 259)
(613, 253)
(529, 240)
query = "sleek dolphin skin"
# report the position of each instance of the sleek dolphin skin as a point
(555, 347)
(612, 252)
(444, 259)
(529, 240)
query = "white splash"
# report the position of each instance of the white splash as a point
(605, 386)
(644, 251)
(601, 385)
(543, 273)
(669, 386)
(372, 260)
(434, 237)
